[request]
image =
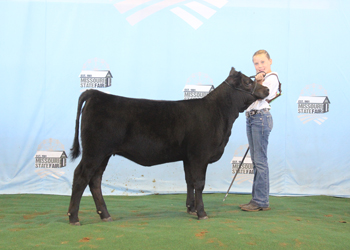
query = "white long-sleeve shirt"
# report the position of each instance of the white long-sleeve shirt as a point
(270, 81)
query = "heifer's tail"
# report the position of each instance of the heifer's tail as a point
(75, 150)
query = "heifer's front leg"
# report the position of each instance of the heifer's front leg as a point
(95, 188)
(199, 186)
(190, 203)
(195, 178)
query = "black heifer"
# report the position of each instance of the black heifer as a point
(154, 132)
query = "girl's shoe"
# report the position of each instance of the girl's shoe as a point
(254, 208)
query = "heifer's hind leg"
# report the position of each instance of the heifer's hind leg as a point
(190, 203)
(95, 188)
(79, 185)
(82, 175)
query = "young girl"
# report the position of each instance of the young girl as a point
(259, 125)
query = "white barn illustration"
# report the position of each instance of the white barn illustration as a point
(313, 104)
(95, 79)
(247, 166)
(196, 91)
(50, 159)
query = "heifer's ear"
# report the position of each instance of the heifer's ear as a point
(239, 76)
(233, 71)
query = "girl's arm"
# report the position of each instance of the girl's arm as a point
(272, 83)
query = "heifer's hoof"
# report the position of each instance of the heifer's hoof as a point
(203, 218)
(191, 212)
(75, 223)
(107, 219)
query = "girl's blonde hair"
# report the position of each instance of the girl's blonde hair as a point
(262, 51)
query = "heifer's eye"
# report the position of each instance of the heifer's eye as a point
(252, 80)
(248, 83)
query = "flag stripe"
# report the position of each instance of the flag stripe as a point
(142, 14)
(217, 3)
(126, 5)
(201, 9)
(187, 17)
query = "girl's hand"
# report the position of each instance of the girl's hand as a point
(260, 77)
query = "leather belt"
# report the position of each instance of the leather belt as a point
(254, 112)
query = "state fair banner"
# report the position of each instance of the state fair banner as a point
(54, 50)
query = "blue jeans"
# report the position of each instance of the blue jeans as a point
(259, 127)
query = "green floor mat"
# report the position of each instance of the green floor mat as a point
(161, 222)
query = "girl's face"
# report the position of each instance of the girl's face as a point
(262, 63)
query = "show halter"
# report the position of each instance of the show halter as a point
(271, 74)
(251, 93)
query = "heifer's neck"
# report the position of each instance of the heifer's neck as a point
(226, 104)
(229, 101)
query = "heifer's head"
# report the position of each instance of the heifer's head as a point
(249, 88)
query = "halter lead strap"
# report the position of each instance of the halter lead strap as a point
(279, 87)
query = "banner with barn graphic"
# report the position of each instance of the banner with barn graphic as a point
(52, 51)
